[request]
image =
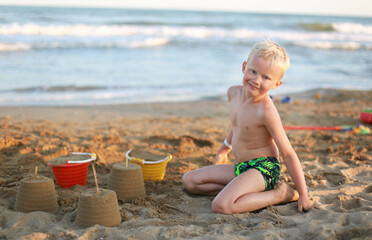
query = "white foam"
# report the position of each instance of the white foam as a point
(81, 30)
(198, 32)
(149, 42)
(353, 28)
(12, 47)
(103, 30)
(348, 36)
(330, 45)
(108, 96)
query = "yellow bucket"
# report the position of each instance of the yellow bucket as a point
(154, 170)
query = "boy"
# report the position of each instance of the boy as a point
(256, 137)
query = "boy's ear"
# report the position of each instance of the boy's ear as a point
(244, 65)
(278, 83)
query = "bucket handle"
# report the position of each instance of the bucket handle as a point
(142, 161)
(93, 157)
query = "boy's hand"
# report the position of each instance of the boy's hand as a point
(304, 204)
(221, 159)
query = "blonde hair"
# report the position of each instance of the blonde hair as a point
(273, 53)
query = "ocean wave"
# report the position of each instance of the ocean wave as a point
(86, 88)
(344, 27)
(135, 23)
(108, 36)
(145, 43)
(353, 28)
(108, 96)
(149, 42)
(325, 27)
(332, 31)
(158, 42)
(83, 30)
(14, 47)
(169, 23)
(58, 88)
(67, 30)
(332, 45)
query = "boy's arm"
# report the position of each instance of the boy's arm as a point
(275, 127)
(295, 170)
(221, 157)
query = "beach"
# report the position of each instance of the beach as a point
(337, 168)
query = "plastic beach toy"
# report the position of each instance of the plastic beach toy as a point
(286, 99)
(154, 170)
(72, 172)
(360, 129)
(366, 116)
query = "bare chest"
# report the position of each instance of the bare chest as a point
(245, 118)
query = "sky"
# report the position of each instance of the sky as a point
(318, 7)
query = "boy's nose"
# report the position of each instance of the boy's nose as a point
(256, 80)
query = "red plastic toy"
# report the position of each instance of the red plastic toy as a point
(366, 116)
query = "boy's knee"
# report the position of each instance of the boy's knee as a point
(187, 181)
(221, 206)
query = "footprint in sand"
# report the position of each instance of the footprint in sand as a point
(358, 173)
(335, 179)
(328, 199)
(368, 189)
(349, 202)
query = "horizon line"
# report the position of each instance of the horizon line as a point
(188, 10)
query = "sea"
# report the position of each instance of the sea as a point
(58, 56)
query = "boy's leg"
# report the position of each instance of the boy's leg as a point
(208, 180)
(245, 193)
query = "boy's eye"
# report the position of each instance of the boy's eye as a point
(253, 71)
(266, 78)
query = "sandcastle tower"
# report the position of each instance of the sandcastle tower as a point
(98, 208)
(127, 181)
(36, 194)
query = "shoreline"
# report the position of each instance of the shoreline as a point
(303, 95)
(161, 107)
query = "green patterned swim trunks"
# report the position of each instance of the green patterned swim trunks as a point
(269, 167)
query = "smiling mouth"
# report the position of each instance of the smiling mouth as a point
(253, 87)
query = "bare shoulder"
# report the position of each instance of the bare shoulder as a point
(269, 111)
(233, 91)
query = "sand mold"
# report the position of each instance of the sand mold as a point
(127, 182)
(36, 194)
(336, 165)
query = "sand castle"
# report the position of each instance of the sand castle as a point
(98, 208)
(36, 194)
(127, 181)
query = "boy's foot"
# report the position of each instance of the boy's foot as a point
(286, 192)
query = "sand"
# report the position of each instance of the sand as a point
(70, 157)
(337, 168)
(147, 155)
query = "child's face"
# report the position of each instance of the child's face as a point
(260, 76)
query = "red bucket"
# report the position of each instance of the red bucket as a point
(366, 116)
(70, 174)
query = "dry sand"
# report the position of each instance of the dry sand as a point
(337, 168)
